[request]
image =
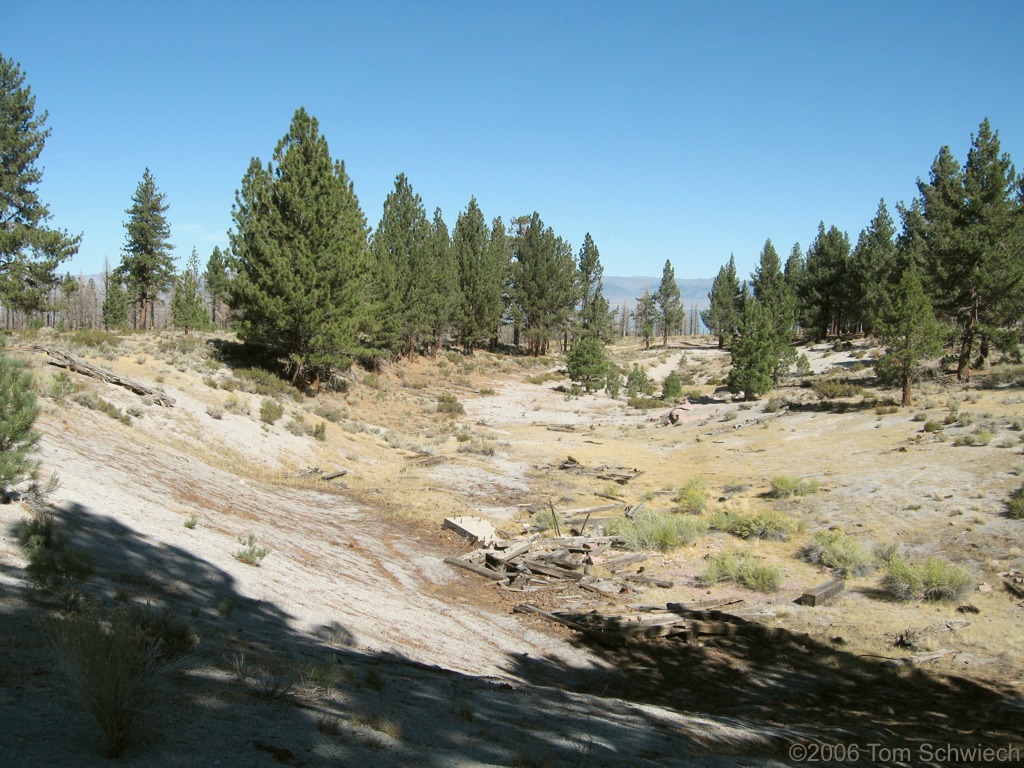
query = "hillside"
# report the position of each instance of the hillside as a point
(353, 642)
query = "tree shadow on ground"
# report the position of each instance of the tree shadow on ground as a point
(259, 691)
(798, 684)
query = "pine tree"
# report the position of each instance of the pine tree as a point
(18, 412)
(910, 332)
(586, 363)
(115, 303)
(442, 286)
(826, 283)
(967, 231)
(30, 251)
(399, 247)
(754, 351)
(770, 288)
(542, 282)
(594, 311)
(299, 253)
(217, 282)
(872, 267)
(147, 266)
(722, 317)
(644, 317)
(187, 305)
(668, 302)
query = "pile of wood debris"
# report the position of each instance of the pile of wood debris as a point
(539, 563)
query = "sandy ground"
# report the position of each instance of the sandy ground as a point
(430, 666)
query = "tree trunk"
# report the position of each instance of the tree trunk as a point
(906, 390)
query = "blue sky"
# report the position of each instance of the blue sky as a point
(668, 130)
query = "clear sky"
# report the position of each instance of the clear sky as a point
(669, 130)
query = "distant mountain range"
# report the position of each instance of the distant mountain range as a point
(619, 290)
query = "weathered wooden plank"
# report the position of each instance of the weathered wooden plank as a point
(654, 582)
(552, 570)
(477, 569)
(822, 593)
(622, 562)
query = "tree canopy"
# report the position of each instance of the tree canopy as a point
(299, 251)
(147, 266)
(30, 251)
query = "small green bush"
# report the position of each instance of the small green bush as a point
(833, 388)
(270, 410)
(744, 569)
(693, 497)
(844, 555)
(237, 404)
(785, 486)
(320, 432)
(449, 405)
(259, 381)
(644, 403)
(480, 446)
(935, 579)
(651, 529)
(767, 524)
(1015, 506)
(932, 425)
(251, 552)
(672, 387)
(638, 383)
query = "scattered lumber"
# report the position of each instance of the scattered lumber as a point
(537, 563)
(822, 593)
(62, 359)
(326, 477)
(620, 475)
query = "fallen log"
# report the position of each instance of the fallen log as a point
(63, 359)
(649, 580)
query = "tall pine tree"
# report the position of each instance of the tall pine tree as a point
(594, 311)
(644, 317)
(299, 251)
(147, 266)
(217, 282)
(543, 282)
(770, 288)
(399, 247)
(825, 285)
(872, 268)
(30, 251)
(668, 302)
(910, 332)
(722, 317)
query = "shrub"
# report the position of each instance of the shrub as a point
(651, 529)
(270, 410)
(835, 550)
(586, 363)
(215, 412)
(333, 415)
(803, 365)
(1015, 506)
(637, 382)
(53, 567)
(251, 553)
(644, 403)
(693, 496)
(320, 432)
(672, 387)
(932, 425)
(935, 579)
(774, 405)
(449, 405)
(190, 522)
(18, 412)
(833, 388)
(112, 669)
(785, 486)
(479, 445)
(744, 569)
(260, 381)
(237, 404)
(767, 524)
(297, 425)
